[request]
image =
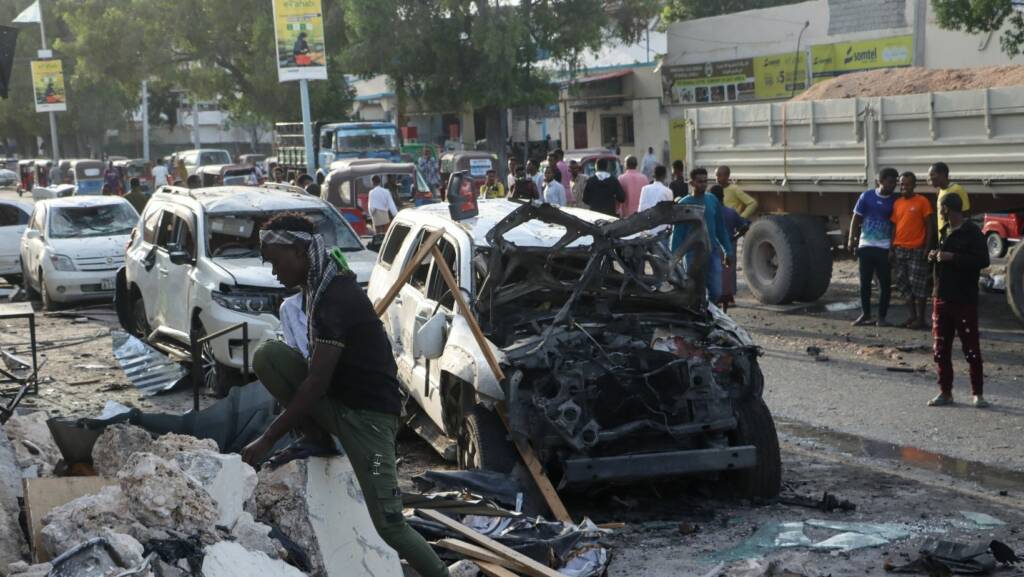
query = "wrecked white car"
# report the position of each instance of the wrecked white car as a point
(617, 369)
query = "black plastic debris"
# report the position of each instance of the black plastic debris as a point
(489, 484)
(1003, 554)
(827, 503)
(147, 368)
(940, 557)
(171, 551)
(95, 558)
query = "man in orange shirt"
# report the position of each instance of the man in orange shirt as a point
(912, 238)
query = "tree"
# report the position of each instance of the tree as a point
(982, 16)
(680, 10)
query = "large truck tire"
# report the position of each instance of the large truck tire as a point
(1015, 281)
(774, 260)
(819, 256)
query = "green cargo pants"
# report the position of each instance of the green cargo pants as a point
(368, 438)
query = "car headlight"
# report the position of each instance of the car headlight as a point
(61, 262)
(253, 303)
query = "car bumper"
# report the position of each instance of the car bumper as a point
(67, 286)
(228, 349)
(582, 471)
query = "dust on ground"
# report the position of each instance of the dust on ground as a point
(913, 80)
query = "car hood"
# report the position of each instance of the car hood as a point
(92, 246)
(253, 272)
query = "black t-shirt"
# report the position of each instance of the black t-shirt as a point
(679, 188)
(366, 375)
(603, 195)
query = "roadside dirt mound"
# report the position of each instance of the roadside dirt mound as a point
(896, 81)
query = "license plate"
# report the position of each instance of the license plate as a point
(107, 284)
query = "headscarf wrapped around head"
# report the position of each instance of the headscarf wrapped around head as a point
(322, 268)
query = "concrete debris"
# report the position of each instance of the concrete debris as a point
(12, 542)
(115, 445)
(317, 501)
(255, 536)
(10, 473)
(169, 445)
(463, 568)
(159, 494)
(226, 559)
(22, 569)
(225, 477)
(88, 517)
(36, 451)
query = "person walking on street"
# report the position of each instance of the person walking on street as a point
(735, 226)
(566, 179)
(655, 193)
(56, 175)
(649, 163)
(871, 238)
(347, 389)
(735, 197)
(603, 193)
(159, 173)
(554, 192)
(428, 167)
(938, 176)
(578, 181)
(380, 206)
(721, 248)
(112, 176)
(679, 185)
(633, 181)
(135, 196)
(959, 259)
(491, 188)
(911, 240)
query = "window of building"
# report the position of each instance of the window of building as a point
(627, 130)
(610, 130)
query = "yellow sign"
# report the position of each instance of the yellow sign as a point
(301, 50)
(677, 139)
(842, 57)
(48, 86)
(780, 76)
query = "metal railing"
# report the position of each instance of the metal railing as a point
(196, 343)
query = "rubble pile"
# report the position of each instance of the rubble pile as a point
(36, 452)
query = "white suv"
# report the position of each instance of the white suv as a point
(194, 264)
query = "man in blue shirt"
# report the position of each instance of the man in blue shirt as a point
(870, 239)
(721, 248)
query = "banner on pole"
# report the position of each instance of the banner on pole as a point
(48, 86)
(299, 30)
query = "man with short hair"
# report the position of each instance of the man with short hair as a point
(279, 174)
(912, 237)
(578, 180)
(649, 163)
(380, 206)
(566, 179)
(603, 193)
(679, 185)
(870, 239)
(428, 167)
(523, 188)
(633, 182)
(735, 197)
(654, 193)
(491, 188)
(159, 173)
(554, 192)
(938, 176)
(348, 388)
(513, 164)
(721, 248)
(532, 172)
(135, 196)
(56, 175)
(959, 259)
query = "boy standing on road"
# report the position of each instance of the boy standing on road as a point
(871, 239)
(911, 240)
(938, 176)
(959, 258)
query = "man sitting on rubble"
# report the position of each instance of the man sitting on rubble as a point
(348, 388)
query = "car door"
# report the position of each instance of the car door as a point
(32, 248)
(13, 220)
(141, 262)
(176, 234)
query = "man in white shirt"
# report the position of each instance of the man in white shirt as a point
(159, 173)
(293, 323)
(554, 192)
(649, 163)
(654, 193)
(381, 206)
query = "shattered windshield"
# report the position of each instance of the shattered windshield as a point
(237, 235)
(84, 221)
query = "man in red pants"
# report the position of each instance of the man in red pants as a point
(960, 256)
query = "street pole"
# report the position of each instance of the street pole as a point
(307, 127)
(195, 123)
(53, 118)
(145, 120)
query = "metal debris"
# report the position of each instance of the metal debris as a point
(147, 368)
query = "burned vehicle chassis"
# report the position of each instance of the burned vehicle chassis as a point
(617, 368)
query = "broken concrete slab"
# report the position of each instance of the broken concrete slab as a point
(226, 559)
(36, 451)
(225, 477)
(86, 517)
(115, 445)
(169, 445)
(45, 495)
(12, 543)
(10, 472)
(318, 504)
(159, 494)
(23, 569)
(255, 536)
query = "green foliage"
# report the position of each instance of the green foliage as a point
(980, 16)
(680, 10)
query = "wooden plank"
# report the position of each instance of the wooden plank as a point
(428, 243)
(45, 495)
(474, 326)
(477, 553)
(530, 567)
(539, 475)
(492, 570)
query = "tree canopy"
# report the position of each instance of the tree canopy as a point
(679, 10)
(979, 16)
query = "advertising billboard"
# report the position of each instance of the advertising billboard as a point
(299, 33)
(48, 86)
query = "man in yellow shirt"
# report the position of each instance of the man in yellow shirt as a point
(492, 188)
(938, 176)
(735, 197)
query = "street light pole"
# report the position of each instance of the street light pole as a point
(44, 53)
(145, 120)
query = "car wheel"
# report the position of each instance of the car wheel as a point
(484, 444)
(48, 303)
(218, 378)
(756, 427)
(26, 284)
(996, 245)
(139, 323)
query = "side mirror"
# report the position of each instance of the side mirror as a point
(430, 338)
(32, 234)
(180, 257)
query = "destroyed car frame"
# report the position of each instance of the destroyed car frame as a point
(617, 368)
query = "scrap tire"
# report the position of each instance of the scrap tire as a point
(484, 444)
(996, 245)
(818, 256)
(756, 427)
(773, 260)
(1015, 281)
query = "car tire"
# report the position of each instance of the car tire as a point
(996, 245)
(756, 427)
(773, 263)
(483, 442)
(48, 303)
(139, 327)
(217, 377)
(26, 284)
(1015, 281)
(818, 256)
